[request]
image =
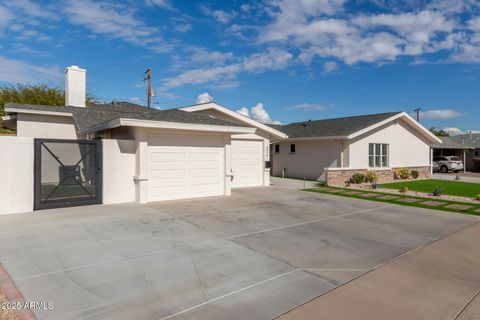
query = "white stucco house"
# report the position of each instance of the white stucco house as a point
(138, 154)
(332, 150)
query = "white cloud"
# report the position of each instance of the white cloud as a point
(313, 106)
(5, 16)
(330, 66)
(258, 113)
(183, 27)
(32, 9)
(440, 114)
(203, 55)
(220, 15)
(272, 59)
(261, 115)
(164, 4)
(115, 21)
(455, 131)
(17, 71)
(244, 111)
(452, 131)
(204, 98)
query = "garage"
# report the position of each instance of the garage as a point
(247, 163)
(185, 166)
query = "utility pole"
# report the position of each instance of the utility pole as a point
(418, 113)
(148, 78)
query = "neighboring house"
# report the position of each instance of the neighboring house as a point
(333, 150)
(450, 147)
(471, 140)
(147, 155)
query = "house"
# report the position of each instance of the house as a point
(472, 157)
(332, 150)
(122, 152)
(450, 147)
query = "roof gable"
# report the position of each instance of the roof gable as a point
(235, 116)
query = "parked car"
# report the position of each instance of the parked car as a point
(435, 167)
(449, 163)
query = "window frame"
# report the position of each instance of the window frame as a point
(378, 155)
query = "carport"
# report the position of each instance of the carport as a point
(450, 147)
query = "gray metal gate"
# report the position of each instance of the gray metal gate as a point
(67, 173)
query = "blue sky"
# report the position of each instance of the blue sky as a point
(276, 60)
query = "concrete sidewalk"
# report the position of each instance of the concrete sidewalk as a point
(439, 281)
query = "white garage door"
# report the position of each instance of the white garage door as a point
(247, 163)
(185, 166)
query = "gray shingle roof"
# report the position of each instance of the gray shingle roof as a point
(332, 127)
(89, 117)
(450, 143)
(472, 140)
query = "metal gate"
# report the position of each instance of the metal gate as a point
(67, 173)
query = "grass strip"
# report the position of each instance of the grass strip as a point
(399, 201)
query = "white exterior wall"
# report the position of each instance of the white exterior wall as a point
(118, 171)
(406, 147)
(46, 126)
(259, 135)
(310, 159)
(16, 165)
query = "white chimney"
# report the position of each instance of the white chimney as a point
(75, 86)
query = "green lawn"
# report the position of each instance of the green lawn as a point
(453, 188)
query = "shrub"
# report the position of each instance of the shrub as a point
(357, 178)
(371, 176)
(478, 197)
(404, 189)
(402, 173)
(437, 191)
(414, 174)
(347, 183)
(374, 185)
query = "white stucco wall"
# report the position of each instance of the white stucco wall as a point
(309, 160)
(16, 165)
(46, 126)
(407, 147)
(258, 135)
(118, 170)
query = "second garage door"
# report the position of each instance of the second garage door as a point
(247, 163)
(185, 166)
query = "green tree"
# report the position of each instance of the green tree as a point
(31, 94)
(439, 133)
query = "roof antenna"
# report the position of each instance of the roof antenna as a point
(148, 78)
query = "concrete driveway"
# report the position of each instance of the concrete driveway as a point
(254, 255)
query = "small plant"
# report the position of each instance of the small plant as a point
(357, 178)
(403, 190)
(478, 197)
(458, 178)
(371, 176)
(347, 183)
(402, 173)
(437, 191)
(414, 174)
(374, 185)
